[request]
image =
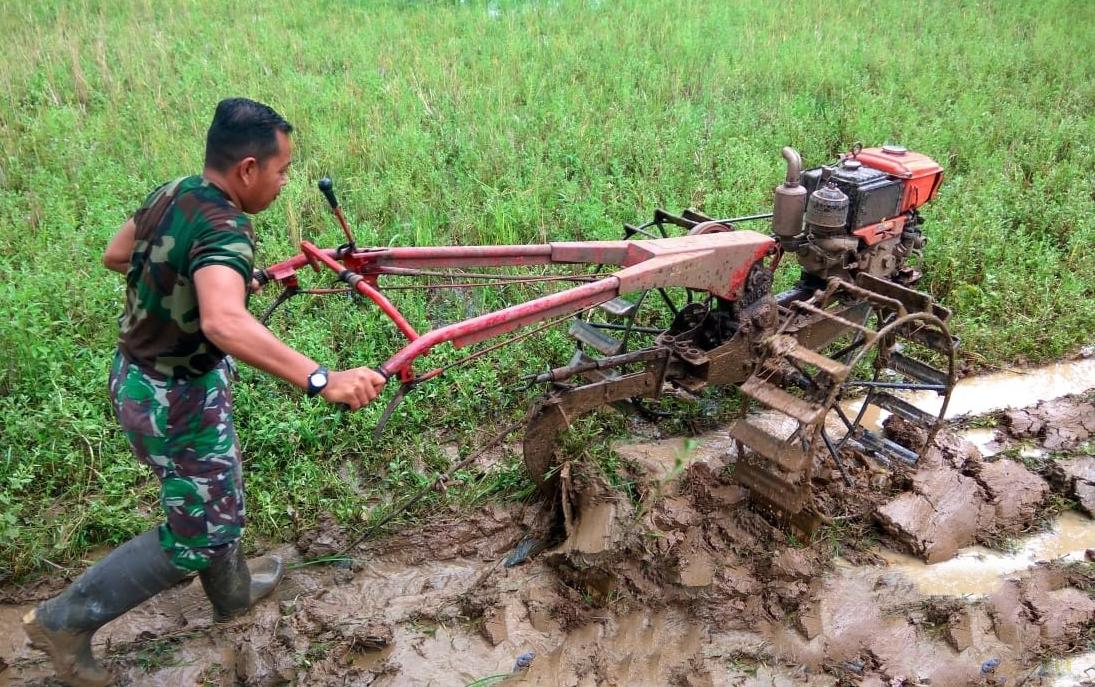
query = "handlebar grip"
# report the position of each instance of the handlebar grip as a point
(328, 188)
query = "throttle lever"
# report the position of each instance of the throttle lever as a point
(327, 187)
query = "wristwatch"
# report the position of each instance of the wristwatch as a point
(317, 381)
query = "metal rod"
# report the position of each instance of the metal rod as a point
(505, 320)
(644, 232)
(561, 373)
(900, 385)
(325, 292)
(473, 285)
(847, 349)
(501, 344)
(345, 227)
(618, 327)
(844, 419)
(746, 218)
(411, 272)
(836, 457)
(364, 288)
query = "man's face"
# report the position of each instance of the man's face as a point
(264, 180)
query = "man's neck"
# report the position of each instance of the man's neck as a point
(218, 179)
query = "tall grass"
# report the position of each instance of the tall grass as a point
(498, 122)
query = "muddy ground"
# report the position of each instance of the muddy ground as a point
(681, 582)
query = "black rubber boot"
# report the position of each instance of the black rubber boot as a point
(233, 587)
(63, 626)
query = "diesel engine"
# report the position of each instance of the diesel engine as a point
(857, 215)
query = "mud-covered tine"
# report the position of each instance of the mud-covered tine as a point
(776, 398)
(619, 307)
(914, 301)
(875, 297)
(920, 371)
(875, 443)
(903, 409)
(786, 456)
(869, 334)
(788, 497)
(591, 336)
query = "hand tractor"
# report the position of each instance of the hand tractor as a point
(696, 309)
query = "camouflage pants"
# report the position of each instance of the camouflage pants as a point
(182, 428)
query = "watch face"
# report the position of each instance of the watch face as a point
(318, 379)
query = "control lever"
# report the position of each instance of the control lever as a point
(327, 187)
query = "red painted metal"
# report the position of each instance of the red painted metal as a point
(923, 175)
(364, 289)
(876, 233)
(502, 321)
(465, 256)
(715, 262)
(741, 272)
(288, 268)
(342, 223)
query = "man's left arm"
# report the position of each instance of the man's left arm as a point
(120, 249)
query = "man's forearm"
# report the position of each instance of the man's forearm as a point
(120, 249)
(245, 338)
(235, 331)
(120, 266)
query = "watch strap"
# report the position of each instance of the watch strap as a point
(314, 389)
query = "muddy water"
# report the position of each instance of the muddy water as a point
(434, 652)
(433, 642)
(976, 570)
(1078, 671)
(971, 396)
(1018, 389)
(979, 571)
(986, 393)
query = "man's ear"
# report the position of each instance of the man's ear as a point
(248, 169)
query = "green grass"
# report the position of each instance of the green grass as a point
(504, 122)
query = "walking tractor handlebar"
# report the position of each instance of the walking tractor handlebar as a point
(717, 262)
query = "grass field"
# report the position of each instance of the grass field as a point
(499, 122)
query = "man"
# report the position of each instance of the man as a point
(187, 255)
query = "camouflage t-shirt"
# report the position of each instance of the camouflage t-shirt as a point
(183, 225)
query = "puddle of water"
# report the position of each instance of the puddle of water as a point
(979, 571)
(977, 395)
(986, 393)
(1076, 671)
(984, 438)
(972, 395)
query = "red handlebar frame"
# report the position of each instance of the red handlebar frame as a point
(717, 262)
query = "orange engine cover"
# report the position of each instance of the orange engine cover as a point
(922, 174)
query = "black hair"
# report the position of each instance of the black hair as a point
(242, 128)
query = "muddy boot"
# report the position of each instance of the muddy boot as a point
(64, 625)
(233, 587)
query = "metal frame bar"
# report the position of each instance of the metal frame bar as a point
(717, 263)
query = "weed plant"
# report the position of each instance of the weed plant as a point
(497, 122)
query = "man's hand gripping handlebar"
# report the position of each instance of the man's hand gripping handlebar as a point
(355, 388)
